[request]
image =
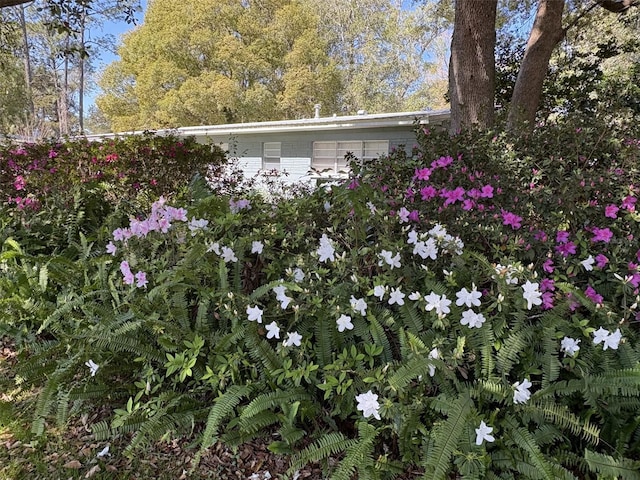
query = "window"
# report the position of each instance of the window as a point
(329, 156)
(271, 156)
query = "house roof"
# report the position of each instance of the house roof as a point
(365, 120)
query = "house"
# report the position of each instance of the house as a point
(313, 147)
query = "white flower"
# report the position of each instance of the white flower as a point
(522, 393)
(281, 297)
(438, 231)
(273, 330)
(344, 323)
(326, 250)
(254, 314)
(93, 367)
(228, 255)
(483, 433)
(434, 354)
(104, 452)
(327, 206)
(379, 291)
(588, 263)
(472, 319)
(531, 294)
(600, 335)
(612, 340)
(509, 273)
(569, 346)
(426, 249)
(368, 404)
(195, 225)
(215, 248)
(293, 338)
(468, 298)
(359, 305)
(438, 303)
(396, 297)
(415, 296)
(372, 208)
(256, 247)
(389, 259)
(298, 275)
(413, 237)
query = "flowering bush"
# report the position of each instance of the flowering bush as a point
(433, 311)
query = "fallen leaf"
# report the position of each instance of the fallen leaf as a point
(95, 469)
(73, 464)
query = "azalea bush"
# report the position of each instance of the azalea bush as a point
(442, 310)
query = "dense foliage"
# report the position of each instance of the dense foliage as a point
(467, 309)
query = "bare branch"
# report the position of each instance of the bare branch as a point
(12, 3)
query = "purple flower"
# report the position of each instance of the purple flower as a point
(593, 295)
(562, 236)
(601, 235)
(601, 261)
(19, 183)
(566, 249)
(428, 192)
(141, 279)
(452, 196)
(511, 219)
(611, 211)
(629, 203)
(547, 266)
(422, 174)
(487, 191)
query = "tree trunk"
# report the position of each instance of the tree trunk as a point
(545, 34)
(472, 65)
(81, 66)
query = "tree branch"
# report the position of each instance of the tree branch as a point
(615, 6)
(12, 3)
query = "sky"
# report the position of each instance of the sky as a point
(105, 57)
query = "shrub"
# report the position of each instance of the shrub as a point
(475, 332)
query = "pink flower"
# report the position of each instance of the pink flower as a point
(611, 211)
(19, 183)
(601, 235)
(353, 184)
(452, 196)
(422, 174)
(428, 192)
(141, 279)
(468, 204)
(601, 261)
(629, 203)
(593, 295)
(442, 162)
(126, 273)
(511, 219)
(53, 153)
(487, 191)
(540, 236)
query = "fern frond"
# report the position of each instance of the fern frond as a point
(525, 441)
(271, 400)
(223, 407)
(329, 444)
(446, 437)
(417, 366)
(606, 465)
(358, 457)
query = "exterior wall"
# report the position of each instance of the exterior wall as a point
(297, 147)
